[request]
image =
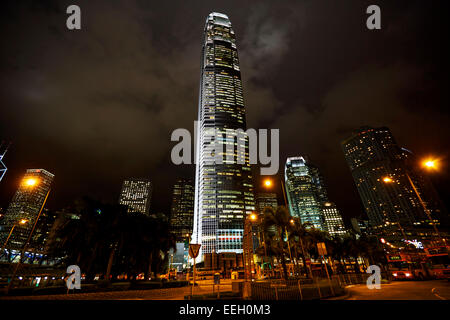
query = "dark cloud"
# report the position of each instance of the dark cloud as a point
(97, 105)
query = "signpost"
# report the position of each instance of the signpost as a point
(194, 249)
(322, 249)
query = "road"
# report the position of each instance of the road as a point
(403, 290)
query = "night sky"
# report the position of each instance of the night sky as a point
(98, 105)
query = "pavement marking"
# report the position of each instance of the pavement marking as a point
(433, 292)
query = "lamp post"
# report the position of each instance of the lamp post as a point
(268, 184)
(31, 182)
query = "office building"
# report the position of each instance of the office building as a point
(26, 204)
(334, 224)
(305, 191)
(264, 200)
(136, 193)
(182, 209)
(223, 180)
(386, 175)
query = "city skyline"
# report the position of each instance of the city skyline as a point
(130, 175)
(104, 182)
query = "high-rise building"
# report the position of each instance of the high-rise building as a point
(26, 204)
(305, 191)
(385, 177)
(334, 224)
(223, 189)
(136, 193)
(264, 200)
(359, 225)
(182, 209)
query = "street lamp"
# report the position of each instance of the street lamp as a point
(430, 164)
(268, 183)
(248, 241)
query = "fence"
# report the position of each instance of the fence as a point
(305, 289)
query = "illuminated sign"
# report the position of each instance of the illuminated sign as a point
(415, 243)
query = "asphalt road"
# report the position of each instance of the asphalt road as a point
(403, 290)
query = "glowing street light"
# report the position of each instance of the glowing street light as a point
(253, 217)
(23, 221)
(387, 180)
(430, 164)
(30, 182)
(267, 183)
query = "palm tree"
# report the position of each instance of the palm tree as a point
(298, 233)
(275, 224)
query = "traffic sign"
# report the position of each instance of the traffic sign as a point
(194, 250)
(321, 248)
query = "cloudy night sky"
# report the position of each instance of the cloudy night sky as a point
(98, 105)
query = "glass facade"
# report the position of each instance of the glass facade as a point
(372, 156)
(334, 224)
(182, 209)
(305, 191)
(264, 200)
(223, 189)
(26, 204)
(136, 194)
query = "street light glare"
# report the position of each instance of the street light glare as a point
(268, 183)
(387, 179)
(430, 164)
(30, 182)
(253, 216)
(23, 221)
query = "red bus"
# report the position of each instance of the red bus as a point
(438, 262)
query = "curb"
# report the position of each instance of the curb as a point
(345, 296)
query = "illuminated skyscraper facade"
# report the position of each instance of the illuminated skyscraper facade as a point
(223, 191)
(136, 193)
(384, 175)
(26, 204)
(334, 224)
(182, 209)
(264, 200)
(305, 191)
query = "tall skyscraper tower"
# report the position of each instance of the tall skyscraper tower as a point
(26, 204)
(223, 192)
(384, 177)
(305, 191)
(182, 210)
(136, 193)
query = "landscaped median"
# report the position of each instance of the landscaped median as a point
(100, 286)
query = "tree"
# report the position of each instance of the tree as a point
(275, 224)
